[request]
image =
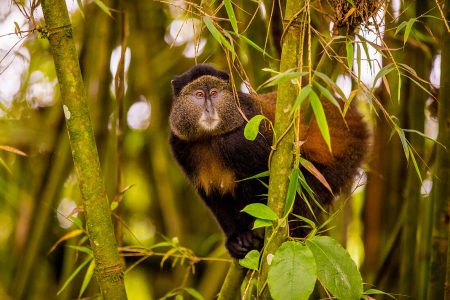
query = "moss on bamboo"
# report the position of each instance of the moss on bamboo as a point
(109, 272)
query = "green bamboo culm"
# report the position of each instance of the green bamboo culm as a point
(231, 288)
(109, 270)
(439, 282)
(281, 164)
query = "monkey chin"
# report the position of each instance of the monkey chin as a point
(209, 121)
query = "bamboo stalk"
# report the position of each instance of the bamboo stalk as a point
(281, 163)
(231, 288)
(439, 282)
(109, 270)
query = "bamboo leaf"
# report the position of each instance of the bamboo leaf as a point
(349, 48)
(254, 45)
(251, 129)
(316, 173)
(292, 191)
(66, 237)
(293, 272)
(326, 93)
(103, 7)
(260, 211)
(83, 249)
(194, 293)
(304, 93)
(378, 292)
(320, 118)
(335, 269)
(231, 15)
(12, 150)
(74, 273)
(251, 260)
(87, 277)
(408, 29)
(416, 167)
(287, 75)
(259, 175)
(217, 35)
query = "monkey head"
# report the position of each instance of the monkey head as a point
(203, 104)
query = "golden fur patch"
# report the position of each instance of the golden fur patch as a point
(211, 174)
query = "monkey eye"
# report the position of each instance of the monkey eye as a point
(213, 93)
(199, 94)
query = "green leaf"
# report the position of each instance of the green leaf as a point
(293, 272)
(320, 118)
(231, 15)
(326, 93)
(378, 292)
(416, 167)
(292, 191)
(72, 276)
(304, 93)
(349, 48)
(217, 35)
(408, 29)
(87, 278)
(260, 211)
(103, 7)
(336, 270)
(261, 223)
(252, 127)
(287, 75)
(259, 175)
(83, 249)
(254, 45)
(400, 27)
(251, 260)
(194, 293)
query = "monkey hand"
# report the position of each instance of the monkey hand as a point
(240, 243)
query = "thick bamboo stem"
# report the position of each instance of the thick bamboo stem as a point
(281, 163)
(109, 271)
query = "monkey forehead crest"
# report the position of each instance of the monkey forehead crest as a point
(179, 82)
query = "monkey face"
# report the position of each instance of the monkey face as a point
(205, 107)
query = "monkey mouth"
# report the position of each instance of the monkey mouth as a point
(209, 121)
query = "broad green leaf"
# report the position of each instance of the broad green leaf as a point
(261, 223)
(251, 260)
(103, 7)
(292, 191)
(87, 278)
(304, 93)
(260, 211)
(349, 48)
(408, 29)
(321, 119)
(231, 15)
(194, 293)
(336, 271)
(252, 127)
(293, 272)
(74, 273)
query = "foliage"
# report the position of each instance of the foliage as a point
(169, 243)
